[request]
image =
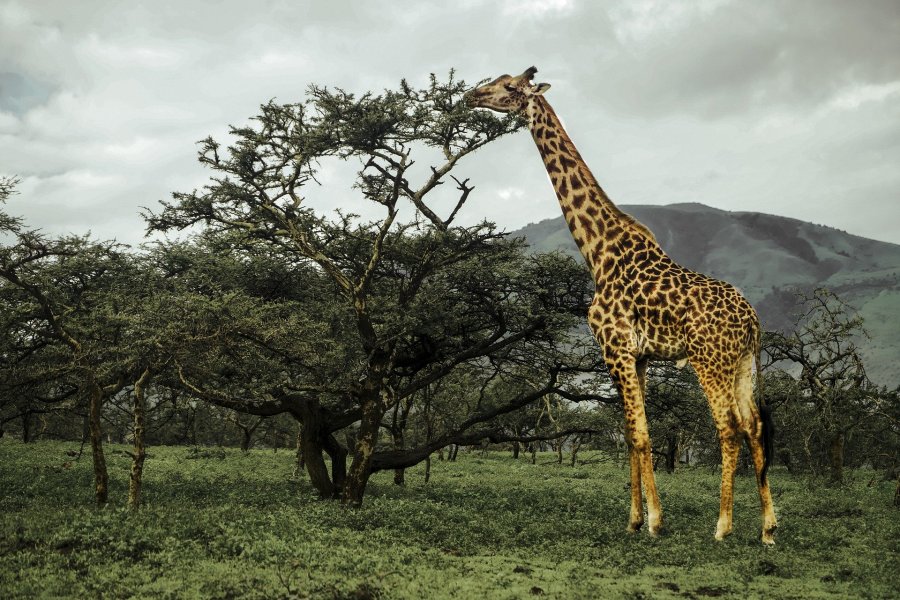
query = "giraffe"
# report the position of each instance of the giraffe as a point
(647, 307)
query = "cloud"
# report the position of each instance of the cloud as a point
(717, 58)
(536, 8)
(787, 108)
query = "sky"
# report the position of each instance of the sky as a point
(789, 108)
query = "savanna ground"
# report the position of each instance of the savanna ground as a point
(219, 523)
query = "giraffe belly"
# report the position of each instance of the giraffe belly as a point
(659, 343)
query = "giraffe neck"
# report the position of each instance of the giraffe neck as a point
(593, 219)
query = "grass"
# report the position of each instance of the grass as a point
(235, 525)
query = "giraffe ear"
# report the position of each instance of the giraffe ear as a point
(540, 88)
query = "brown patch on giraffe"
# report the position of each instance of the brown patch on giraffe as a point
(575, 181)
(588, 226)
(567, 163)
(613, 232)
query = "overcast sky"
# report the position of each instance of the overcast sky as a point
(790, 108)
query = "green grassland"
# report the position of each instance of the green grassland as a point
(226, 524)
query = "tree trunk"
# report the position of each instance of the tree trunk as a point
(515, 449)
(836, 455)
(533, 453)
(399, 474)
(311, 440)
(301, 465)
(139, 454)
(576, 446)
(671, 452)
(338, 456)
(101, 476)
(398, 432)
(428, 475)
(26, 427)
(360, 467)
(190, 429)
(316, 468)
(559, 452)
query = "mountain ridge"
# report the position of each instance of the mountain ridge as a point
(770, 259)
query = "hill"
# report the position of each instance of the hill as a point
(770, 258)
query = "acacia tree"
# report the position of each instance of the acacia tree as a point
(35, 373)
(63, 286)
(382, 273)
(79, 329)
(833, 382)
(267, 337)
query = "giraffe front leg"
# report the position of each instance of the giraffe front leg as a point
(628, 376)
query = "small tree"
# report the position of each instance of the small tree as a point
(832, 377)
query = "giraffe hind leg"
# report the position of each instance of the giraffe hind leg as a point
(754, 429)
(719, 389)
(636, 516)
(731, 447)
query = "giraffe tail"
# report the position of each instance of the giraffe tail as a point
(765, 414)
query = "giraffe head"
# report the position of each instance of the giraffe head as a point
(507, 94)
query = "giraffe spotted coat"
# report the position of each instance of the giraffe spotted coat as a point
(648, 307)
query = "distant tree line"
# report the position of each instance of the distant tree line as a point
(367, 344)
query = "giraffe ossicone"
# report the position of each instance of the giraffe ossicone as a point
(648, 307)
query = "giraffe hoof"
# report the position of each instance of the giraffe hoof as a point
(656, 531)
(768, 536)
(721, 535)
(634, 527)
